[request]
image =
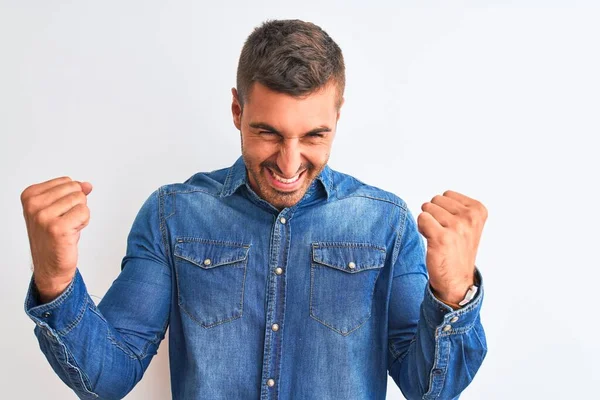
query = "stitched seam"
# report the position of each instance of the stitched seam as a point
(211, 266)
(348, 244)
(243, 262)
(196, 190)
(399, 236)
(372, 198)
(186, 239)
(74, 323)
(365, 318)
(163, 228)
(226, 183)
(83, 377)
(435, 363)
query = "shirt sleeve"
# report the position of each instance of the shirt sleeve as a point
(103, 351)
(434, 351)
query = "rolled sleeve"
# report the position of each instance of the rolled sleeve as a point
(64, 312)
(440, 316)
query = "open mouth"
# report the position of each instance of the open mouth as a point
(280, 182)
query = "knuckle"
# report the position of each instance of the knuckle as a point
(25, 195)
(484, 211)
(29, 208)
(470, 216)
(54, 229)
(73, 186)
(79, 197)
(443, 238)
(41, 217)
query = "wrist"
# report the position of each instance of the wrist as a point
(49, 289)
(453, 294)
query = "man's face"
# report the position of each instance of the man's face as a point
(286, 140)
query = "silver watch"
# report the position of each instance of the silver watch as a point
(469, 296)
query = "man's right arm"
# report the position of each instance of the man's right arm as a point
(103, 351)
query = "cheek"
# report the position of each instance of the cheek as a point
(318, 155)
(259, 150)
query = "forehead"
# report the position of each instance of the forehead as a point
(289, 112)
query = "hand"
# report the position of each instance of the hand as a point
(452, 224)
(55, 212)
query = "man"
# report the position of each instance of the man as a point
(279, 277)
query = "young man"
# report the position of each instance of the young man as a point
(279, 277)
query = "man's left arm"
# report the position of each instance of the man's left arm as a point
(436, 344)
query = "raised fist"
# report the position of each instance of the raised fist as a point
(55, 212)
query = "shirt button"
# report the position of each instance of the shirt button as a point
(351, 265)
(46, 314)
(282, 220)
(279, 270)
(275, 327)
(447, 328)
(270, 382)
(453, 320)
(207, 262)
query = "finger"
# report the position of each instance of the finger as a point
(449, 204)
(64, 205)
(429, 226)
(461, 198)
(86, 187)
(38, 188)
(52, 195)
(440, 214)
(77, 217)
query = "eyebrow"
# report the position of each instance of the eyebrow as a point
(262, 125)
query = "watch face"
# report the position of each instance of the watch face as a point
(469, 296)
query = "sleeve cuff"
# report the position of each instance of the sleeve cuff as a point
(61, 314)
(447, 321)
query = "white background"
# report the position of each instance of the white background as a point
(498, 100)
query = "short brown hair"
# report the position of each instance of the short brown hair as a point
(290, 56)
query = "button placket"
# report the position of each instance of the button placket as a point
(276, 306)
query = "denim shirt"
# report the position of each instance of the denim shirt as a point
(321, 300)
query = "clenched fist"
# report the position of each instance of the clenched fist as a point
(452, 224)
(55, 212)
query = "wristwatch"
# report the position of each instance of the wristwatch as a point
(469, 296)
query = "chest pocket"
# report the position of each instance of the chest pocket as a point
(342, 283)
(210, 279)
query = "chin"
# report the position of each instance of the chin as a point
(283, 199)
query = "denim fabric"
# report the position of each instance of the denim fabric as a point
(321, 300)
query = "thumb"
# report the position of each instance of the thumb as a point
(86, 187)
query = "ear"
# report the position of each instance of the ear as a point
(236, 110)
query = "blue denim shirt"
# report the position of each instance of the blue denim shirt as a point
(321, 300)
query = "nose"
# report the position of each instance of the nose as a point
(289, 158)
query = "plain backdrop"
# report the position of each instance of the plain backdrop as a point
(498, 100)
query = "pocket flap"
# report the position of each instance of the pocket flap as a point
(349, 257)
(209, 254)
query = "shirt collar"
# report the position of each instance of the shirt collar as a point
(236, 177)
